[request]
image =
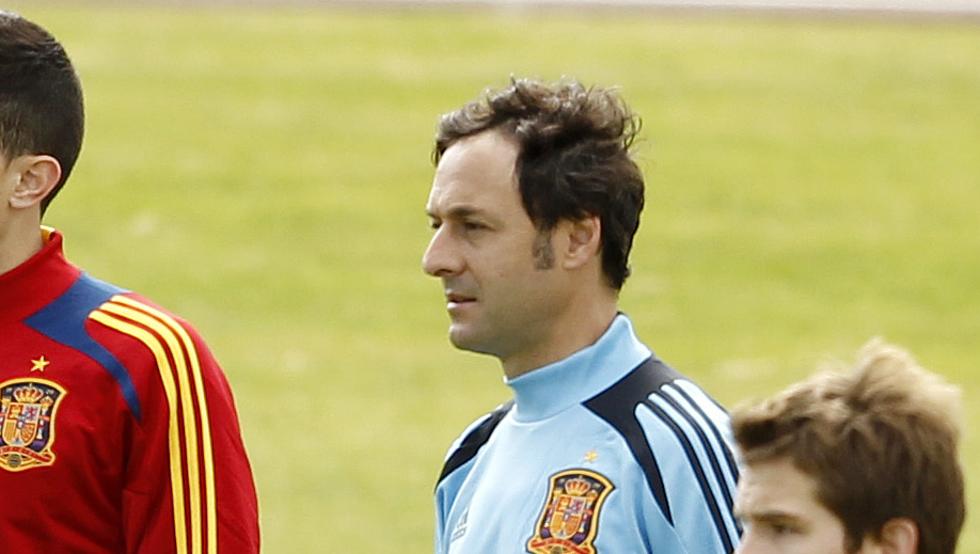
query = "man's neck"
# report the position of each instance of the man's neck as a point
(18, 242)
(580, 330)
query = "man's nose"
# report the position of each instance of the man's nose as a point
(440, 258)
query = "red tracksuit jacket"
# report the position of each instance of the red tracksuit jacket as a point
(118, 431)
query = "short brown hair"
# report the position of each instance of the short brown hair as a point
(40, 97)
(574, 159)
(880, 442)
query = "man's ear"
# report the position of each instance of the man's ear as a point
(584, 241)
(899, 535)
(38, 174)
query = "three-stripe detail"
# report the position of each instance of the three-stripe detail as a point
(707, 452)
(652, 404)
(191, 460)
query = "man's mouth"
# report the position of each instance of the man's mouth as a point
(455, 298)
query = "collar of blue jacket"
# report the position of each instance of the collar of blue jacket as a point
(551, 389)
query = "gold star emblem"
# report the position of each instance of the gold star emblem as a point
(591, 456)
(39, 364)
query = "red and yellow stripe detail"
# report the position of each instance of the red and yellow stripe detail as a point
(189, 430)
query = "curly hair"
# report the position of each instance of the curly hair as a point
(574, 159)
(880, 442)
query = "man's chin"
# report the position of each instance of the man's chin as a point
(465, 338)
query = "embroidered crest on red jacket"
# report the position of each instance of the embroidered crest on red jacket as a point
(570, 517)
(27, 422)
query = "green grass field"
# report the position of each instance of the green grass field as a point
(811, 183)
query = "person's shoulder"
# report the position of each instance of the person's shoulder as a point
(680, 440)
(133, 327)
(468, 444)
(137, 343)
(89, 296)
(654, 395)
(124, 310)
(152, 313)
(619, 401)
(151, 340)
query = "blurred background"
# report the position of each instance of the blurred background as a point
(262, 170)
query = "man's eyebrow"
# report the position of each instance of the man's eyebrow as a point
(457, 212)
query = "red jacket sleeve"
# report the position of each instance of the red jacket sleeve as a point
(188, 484)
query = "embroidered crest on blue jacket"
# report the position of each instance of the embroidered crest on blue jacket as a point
(27, 416)
(570, 518)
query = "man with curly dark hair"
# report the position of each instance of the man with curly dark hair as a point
(604, 448)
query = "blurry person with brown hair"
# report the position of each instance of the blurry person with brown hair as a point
(863, 462)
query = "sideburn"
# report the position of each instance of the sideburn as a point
(543, 252)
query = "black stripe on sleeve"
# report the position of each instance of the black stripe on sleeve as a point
(709, 496)
(729, 457)
(706, 445)
(617, 406)
(476, 438)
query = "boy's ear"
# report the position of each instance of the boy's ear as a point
(38, 175)
(900, 535)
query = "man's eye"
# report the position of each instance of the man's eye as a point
(435, 225)
(782, 529)
(473, 226)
